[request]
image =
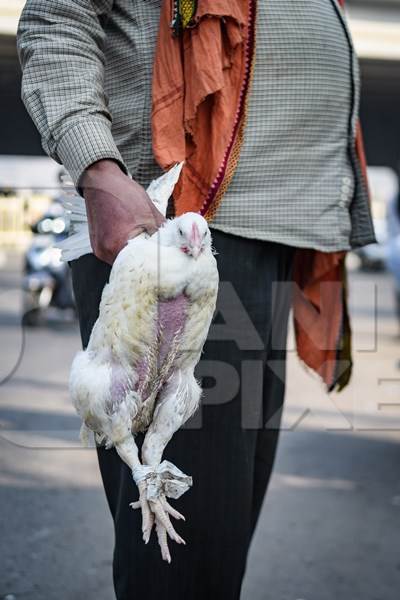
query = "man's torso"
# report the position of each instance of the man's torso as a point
(295, 180)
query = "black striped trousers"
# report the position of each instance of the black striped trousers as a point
(228, 446)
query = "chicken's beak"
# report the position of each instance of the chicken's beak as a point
(195, 251)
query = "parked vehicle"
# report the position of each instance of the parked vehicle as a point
(384, 185)
(393, 253)
(47, 280)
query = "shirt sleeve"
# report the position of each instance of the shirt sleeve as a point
(60, 46)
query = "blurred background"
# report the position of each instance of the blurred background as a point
(329, 527)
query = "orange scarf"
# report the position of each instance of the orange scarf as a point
(201, 83)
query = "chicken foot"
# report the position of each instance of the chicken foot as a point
(153, 513)
(177, 401)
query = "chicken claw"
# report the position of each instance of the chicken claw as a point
(163, 543)
(147, 514)
(162, 519)
(158, 512)
(155, 484)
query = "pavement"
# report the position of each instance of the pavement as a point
(329, 526)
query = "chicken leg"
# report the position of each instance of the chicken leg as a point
(177, 401)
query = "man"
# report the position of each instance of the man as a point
(277, 170)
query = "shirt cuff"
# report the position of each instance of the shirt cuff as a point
(84, 143)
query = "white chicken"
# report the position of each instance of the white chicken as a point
(137, 372)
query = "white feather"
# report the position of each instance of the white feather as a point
(146, 271)
(137, 372)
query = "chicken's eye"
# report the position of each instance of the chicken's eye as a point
(180, 231)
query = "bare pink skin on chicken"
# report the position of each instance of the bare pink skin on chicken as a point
(119, 386)
(170, 322)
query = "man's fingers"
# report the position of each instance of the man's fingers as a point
(157, 218)
(137, 230)
(154, 224)
(150, 226)
(106, 255)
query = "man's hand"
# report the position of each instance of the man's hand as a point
(117, 207)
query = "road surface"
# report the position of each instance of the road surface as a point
(329, 527)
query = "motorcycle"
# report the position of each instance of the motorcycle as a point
(46, 281)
